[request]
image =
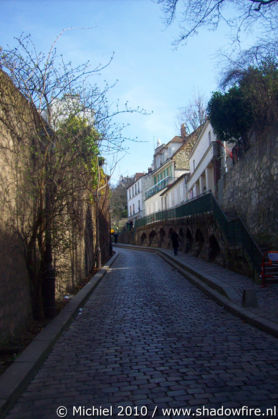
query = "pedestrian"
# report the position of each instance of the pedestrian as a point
(175, 242)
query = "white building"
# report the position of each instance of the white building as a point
(170, 162)
(203, 163)
(176, 193)
(164, 152)
(135, 196)
(60, 109)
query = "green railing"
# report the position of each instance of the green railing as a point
(158, 186)
(234, 230)
(238, 235)
(195, 206)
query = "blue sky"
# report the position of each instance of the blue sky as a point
(151, 72)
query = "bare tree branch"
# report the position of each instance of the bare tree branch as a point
(195, 14)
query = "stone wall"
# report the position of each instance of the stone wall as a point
(250, 188)
(105, 225)
(15, 120)
(74, 229)
(199, 235)
(181, 157)
(15, 302)
(75, 257)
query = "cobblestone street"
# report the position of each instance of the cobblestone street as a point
(147, 337)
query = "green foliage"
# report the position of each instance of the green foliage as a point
(85, 136)
(80, 140)
(260, 89)
(119, 200)
(230, 114)
(252, 102)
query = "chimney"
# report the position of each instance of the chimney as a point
(150, 170)
(183, 131)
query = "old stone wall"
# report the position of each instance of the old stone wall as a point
(181, 157)
(73, 257)
(73, 231)
(105, 225)
(15, 120)
(78, 257)
(198, 235)
(15, 302)
(250, 188)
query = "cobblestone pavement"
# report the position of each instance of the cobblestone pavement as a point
(267, 297)
(147, 337)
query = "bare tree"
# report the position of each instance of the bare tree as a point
(57, 128)
(234, 67)
(193, 114)
(195, 14)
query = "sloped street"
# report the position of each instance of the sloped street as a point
(147, 340)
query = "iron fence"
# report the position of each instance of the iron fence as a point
(234, 230)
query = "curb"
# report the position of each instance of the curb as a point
(18, 375)
(214, 290)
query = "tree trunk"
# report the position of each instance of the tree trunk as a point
(48, 272)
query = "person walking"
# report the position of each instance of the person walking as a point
(175, 242)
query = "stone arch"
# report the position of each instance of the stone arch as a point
(168, 237)
(181, 237)
(143, 239)
(172, 232)
(199, 242)
(162, 235)
(152, 237)
(189, 241)
(213, 248)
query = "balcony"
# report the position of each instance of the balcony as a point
(162, 184)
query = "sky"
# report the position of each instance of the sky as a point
(150, 71)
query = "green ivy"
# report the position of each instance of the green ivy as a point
(251, 103)
(230, 114)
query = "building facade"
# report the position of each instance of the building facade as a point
(176, 193)
(136, 194)
(184, 168)
(174, 162)
(203, 163)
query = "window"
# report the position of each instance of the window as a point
(194, 165)
(138, 187)
(130, 211)
(135, 188)
(133, 209)
(209, 135)
(139, 205)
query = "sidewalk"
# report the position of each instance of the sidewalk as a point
(227, 287)
(16, 377)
